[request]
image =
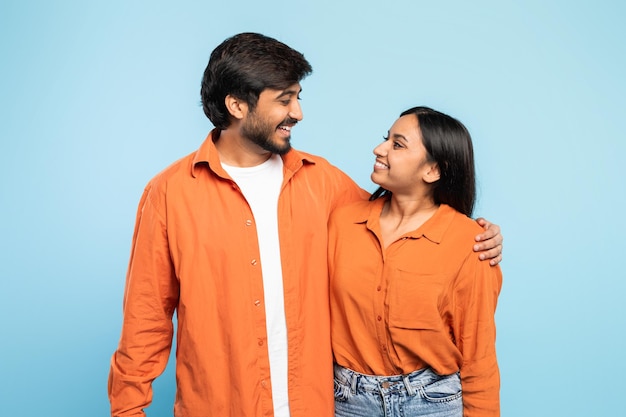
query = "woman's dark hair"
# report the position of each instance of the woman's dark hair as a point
(245, 65)
(449, 144)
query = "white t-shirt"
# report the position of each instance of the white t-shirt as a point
(260, 186)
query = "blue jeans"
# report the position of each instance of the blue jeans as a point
(420, 393)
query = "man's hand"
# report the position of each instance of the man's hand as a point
(490, 246)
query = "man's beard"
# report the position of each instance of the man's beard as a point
(260, 133)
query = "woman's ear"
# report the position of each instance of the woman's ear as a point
(236, 107)
(432, 173)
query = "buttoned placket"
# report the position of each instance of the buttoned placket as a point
(380, 296)
(259, 317)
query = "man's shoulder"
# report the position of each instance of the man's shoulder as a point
(317, 174)
(179, 169)
(183, 168)
(354, 210)
(313, 165)
(315, 161)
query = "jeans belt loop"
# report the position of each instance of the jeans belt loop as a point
(354, 382)
(409, 388)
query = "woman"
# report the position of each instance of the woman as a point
(412, 306)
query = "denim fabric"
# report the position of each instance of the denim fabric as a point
(420, 393)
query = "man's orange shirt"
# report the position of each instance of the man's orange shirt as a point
(195, 251)
(424, 301)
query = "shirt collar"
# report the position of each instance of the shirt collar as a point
(208, 155)
(433, 229)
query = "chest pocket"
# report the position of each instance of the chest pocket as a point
(415, 299)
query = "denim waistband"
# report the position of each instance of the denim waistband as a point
(393, 383)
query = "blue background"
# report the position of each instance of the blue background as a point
(98, 96)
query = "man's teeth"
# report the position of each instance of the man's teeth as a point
(381, 165)
(287, 128)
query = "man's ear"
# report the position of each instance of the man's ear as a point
(236, 107)
(432, 173)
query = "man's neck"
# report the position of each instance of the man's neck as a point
(237, 151)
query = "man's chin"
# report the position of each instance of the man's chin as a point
(278, 149)
(282, 150)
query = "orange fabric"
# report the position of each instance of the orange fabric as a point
(425, 301)
(195, 251)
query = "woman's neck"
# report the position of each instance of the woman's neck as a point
(406, 207)
(403, 215)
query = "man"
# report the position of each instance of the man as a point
(233, 238)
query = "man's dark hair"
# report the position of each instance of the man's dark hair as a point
(245, 65)
(449, 144)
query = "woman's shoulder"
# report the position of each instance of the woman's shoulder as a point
(460, 224)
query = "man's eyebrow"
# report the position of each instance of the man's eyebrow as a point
(289, 92)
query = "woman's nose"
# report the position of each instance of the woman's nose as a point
(380, 149)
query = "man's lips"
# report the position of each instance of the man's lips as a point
(287, 124)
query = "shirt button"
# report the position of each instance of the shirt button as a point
(257, 302)
(378, 288)
(248, 222)
(379, 318)
(260, 343)
(264, 383)
(253, 262)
